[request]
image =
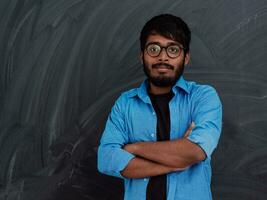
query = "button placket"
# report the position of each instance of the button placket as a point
(153, 135)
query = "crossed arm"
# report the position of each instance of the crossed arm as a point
(156, 158)
(146, 159)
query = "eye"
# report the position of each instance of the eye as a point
(153, 48)
(174, 49)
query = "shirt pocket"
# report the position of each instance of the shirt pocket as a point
(142, 125)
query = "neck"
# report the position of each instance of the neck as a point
(159, 90)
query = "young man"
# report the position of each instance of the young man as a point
(159, 137)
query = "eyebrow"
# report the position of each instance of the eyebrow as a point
(168, 44)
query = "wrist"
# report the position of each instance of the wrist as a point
(131, 148)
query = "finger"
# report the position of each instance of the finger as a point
(180, 169)
(189, 130)
(192, 126)
(187, 133)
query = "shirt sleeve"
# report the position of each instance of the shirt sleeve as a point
(112, 159)
(207, 116)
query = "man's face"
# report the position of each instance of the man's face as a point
(163, 71)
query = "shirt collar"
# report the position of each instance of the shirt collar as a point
(181, 83)
(142, 91)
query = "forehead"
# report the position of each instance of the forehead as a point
(156, 38)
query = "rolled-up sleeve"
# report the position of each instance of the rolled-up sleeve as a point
(207, 115)
(112, 159)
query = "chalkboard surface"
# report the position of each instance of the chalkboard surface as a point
(63, 63)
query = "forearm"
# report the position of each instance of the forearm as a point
(142, 168)
(177, 153)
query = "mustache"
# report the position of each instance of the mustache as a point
(158, 65)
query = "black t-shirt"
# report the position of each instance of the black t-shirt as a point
(157, 186)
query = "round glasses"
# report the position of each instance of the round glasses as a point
(173, 50)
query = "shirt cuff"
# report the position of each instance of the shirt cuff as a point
(121, 160)
(204, 142)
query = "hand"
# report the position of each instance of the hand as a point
(179, 169)
(189, 130)
(130, 148)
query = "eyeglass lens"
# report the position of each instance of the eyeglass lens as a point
(154, 50)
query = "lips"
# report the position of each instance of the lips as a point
(162, 66)
(162, 69)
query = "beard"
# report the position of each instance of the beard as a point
(162, 80)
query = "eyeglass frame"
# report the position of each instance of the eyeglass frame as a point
(165, 47)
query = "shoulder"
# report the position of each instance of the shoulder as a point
(129, 93)
(126, 96)
(200, 89)
(200, 92)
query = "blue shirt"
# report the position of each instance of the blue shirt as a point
(133, 119)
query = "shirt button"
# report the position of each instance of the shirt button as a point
(153, 113)
(144, 179)
(152, 135)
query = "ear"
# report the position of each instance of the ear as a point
(187, 58)
(141, 57)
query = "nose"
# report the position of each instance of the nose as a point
(163, 55)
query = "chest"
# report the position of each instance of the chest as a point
(141, 119)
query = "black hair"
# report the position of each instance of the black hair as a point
(169, 26)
